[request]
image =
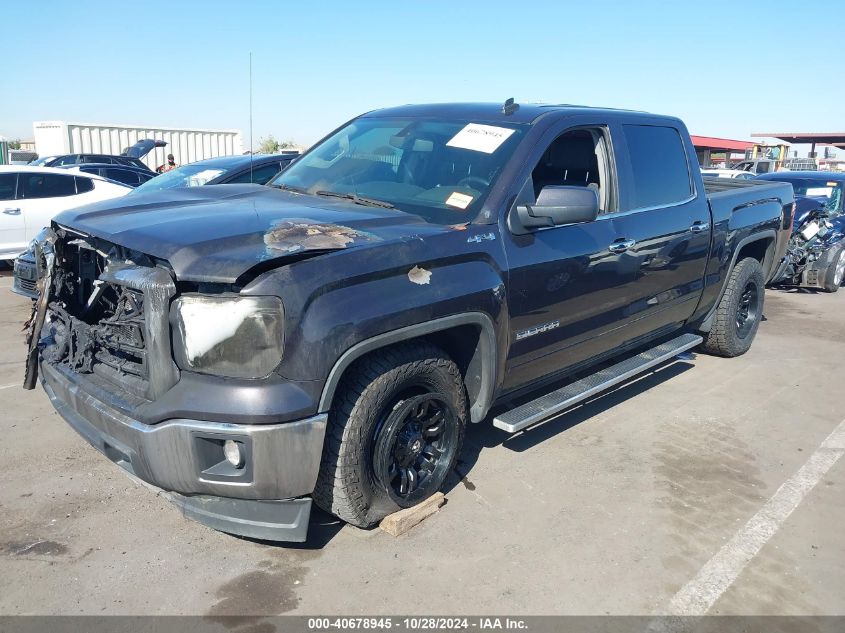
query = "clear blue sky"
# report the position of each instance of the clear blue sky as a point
(726, 68)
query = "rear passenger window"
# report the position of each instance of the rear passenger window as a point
(84, 185)
(7, 186)
(47, 186)
(659, 166)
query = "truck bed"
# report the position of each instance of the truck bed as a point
(714, 186)
(752, 204)
(728, 194)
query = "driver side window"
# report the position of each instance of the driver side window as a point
(577, 158)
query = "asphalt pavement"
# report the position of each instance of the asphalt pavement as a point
(709, 486)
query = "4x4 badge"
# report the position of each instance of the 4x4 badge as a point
(481, 237)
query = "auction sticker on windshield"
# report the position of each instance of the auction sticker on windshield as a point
(459, 200)
(480, 138)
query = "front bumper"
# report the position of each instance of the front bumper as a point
(184, 458)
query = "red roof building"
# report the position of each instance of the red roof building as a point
(724, 148)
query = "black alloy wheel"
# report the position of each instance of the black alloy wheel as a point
(747, 309)
(415, 447)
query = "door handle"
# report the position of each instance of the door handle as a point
(621, 245)
(699, 227)
(12, 211)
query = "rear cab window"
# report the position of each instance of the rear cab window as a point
(659, 167)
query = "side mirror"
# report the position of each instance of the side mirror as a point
(559, 204)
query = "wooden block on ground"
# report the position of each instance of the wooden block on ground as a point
(403, 520)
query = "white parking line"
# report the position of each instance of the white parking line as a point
(719, 573)
(9, 386)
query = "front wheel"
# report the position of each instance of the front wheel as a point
(739, 312)
(394, 433)
(836, 271)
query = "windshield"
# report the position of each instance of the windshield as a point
(439, 170)
(829, 192)
(185, 176)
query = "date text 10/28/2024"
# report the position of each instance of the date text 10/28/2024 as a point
(420, 623)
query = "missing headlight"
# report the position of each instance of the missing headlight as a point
(240, 337)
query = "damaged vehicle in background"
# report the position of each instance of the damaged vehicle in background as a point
(251, 350)
(815, 257)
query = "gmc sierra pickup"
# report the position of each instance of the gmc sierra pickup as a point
(252, 349)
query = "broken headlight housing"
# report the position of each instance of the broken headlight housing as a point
(234, 336)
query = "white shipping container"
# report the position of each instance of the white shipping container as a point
(187, 146)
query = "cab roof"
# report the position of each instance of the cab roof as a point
(526, 114)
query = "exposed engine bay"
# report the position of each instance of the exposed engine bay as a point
(812, 238)
(93, 308)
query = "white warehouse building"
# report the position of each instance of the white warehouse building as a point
(187, 146)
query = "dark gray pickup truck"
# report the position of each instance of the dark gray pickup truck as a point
(252, 349)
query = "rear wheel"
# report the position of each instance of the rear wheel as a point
(394, 433)
(739, 312)
(836, 271)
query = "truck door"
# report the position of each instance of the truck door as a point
(662, 229)
(12, 229)
(563, 284)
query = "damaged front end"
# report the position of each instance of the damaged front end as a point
(809, 252)
(102, 310)
(100, 338)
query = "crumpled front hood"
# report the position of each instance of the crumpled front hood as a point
(216, 233)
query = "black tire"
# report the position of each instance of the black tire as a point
(371, 417)
(739, 312)
(835, 273)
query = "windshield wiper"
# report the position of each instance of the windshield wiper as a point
(287, 188)
(369, 202)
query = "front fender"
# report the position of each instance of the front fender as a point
(345, 304)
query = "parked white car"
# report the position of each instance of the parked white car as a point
(31, 196)
(727, 173)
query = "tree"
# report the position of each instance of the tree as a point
(269, 145)
(15, 144)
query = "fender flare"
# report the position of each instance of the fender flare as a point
(707, 323)
(484, 359)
